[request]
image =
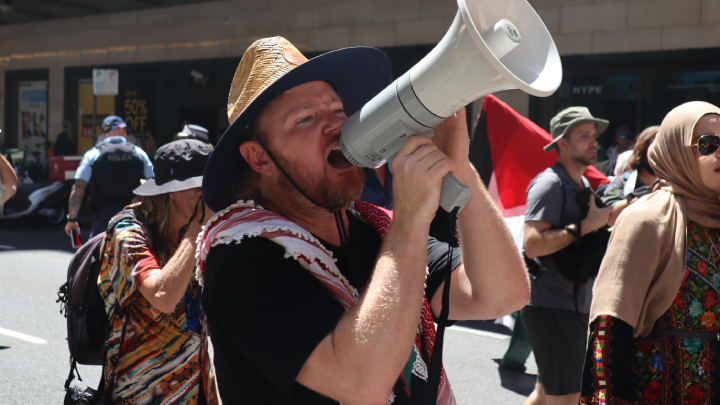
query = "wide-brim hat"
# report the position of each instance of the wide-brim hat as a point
(269, 67)
(568, 119)
(178, 166)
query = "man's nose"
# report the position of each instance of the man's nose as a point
(333, 122)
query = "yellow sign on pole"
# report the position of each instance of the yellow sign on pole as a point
(105, 107)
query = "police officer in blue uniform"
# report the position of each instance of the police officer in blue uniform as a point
(113, 168)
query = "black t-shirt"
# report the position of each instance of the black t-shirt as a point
(63, 145)
(266, 314)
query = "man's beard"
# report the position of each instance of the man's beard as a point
(587, 161)
(583, 159)
(319, 190)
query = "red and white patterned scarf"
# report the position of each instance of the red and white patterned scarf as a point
(245, 219)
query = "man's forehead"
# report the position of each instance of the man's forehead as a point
(313, 89)
(304, 96)
(584, 128)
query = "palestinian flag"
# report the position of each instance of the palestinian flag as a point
(507, 151)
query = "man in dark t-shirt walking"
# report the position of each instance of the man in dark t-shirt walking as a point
(556, 316)
(312, 297)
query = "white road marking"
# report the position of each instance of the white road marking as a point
(7, 247)
(21, 336)
(479, 332)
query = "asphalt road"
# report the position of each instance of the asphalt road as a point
(33, 264)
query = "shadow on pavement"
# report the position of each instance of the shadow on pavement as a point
(4, 347)
(487, 326)
(516, 381)
(20, 234)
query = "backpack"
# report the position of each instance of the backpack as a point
(88, 325)
(581, 261)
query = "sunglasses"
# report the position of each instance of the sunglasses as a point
(623, 136)
(708, 144)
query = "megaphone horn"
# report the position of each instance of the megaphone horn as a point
(492, 45)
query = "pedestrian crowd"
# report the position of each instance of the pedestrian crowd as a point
(317, 281)
(641, 329)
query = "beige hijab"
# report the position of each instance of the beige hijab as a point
(646, 258)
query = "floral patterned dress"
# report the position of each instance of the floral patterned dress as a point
(660, 368)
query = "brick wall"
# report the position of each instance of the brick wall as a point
(226, 28)
(607, 26)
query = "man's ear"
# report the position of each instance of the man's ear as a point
(256, 157)
(562, 144)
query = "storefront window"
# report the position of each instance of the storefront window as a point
(663, 91)
(635, 90)
(611, 97)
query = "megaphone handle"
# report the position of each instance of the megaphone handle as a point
(453, 194)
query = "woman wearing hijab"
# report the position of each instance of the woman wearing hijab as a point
(655, 317)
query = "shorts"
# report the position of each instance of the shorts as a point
(558, 338)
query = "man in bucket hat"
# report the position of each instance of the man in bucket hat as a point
(312, 297)
(556, 316)
(149, 272)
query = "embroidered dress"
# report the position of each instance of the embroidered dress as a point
(246, 220)
(164, 356)
(661, 368)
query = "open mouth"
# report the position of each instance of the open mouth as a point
(337, 159)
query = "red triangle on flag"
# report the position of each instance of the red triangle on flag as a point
(516, 148)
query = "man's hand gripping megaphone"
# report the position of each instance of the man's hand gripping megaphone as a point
(423, 162)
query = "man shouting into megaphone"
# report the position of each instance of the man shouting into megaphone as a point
(311, 296)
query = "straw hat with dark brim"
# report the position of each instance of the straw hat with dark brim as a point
(569, 118)
(269, 67)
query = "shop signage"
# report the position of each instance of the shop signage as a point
(105, 82)
(587, 90)
(136, 111)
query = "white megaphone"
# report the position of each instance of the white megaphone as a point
(492, 45)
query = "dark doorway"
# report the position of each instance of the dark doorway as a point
(619, 113)
(636, 89)
(205, 117)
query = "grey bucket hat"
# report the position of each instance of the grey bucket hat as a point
(568, 119)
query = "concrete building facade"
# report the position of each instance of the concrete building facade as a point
(594, 32)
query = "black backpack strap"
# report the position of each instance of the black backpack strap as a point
(562, 206)
(576, 285)
(137, 215)
(101, 387)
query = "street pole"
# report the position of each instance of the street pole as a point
(94, 118)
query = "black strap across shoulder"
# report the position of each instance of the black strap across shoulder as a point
(580, 261)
